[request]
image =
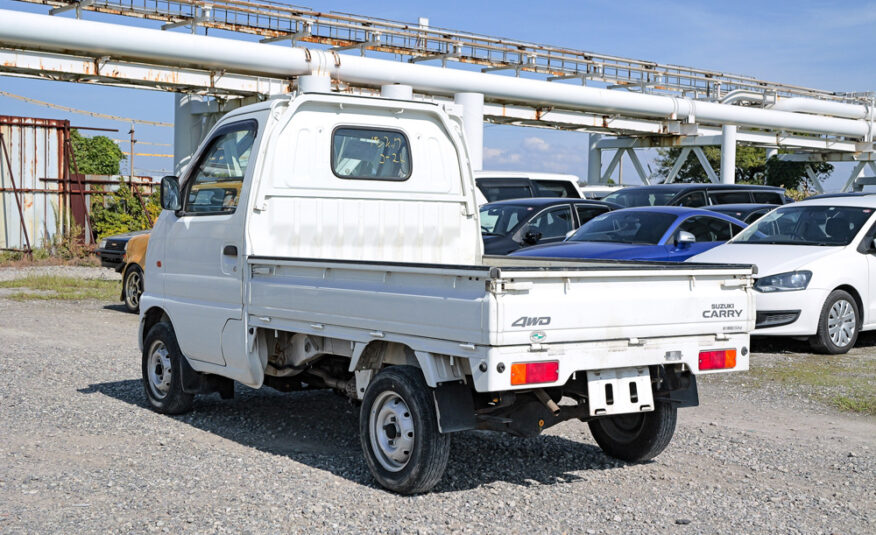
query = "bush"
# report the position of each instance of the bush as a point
(121, 211)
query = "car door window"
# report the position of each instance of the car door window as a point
(767, 197)
(552, 223)
(503, 189)
(754, 216)
(586, 213)
(214, 186)
(707, 229)
(730, 197)
(555, 188)
(693, 199)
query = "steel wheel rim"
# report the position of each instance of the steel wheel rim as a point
(132, 289)
(392, 431)
(841, 323)
(159, 369)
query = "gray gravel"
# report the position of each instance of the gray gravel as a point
(81, 453)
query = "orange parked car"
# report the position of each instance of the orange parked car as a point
(133, 263)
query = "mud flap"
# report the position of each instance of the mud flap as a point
(202, 383)
(455, 407)
(680, 389)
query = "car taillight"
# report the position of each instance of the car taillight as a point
(524, 373)
(718, 360)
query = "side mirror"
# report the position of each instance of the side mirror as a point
(170, 194)
(531, 237)
(873, 246)
(571, 233)
(685, 239)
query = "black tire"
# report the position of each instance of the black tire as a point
(132, 288)
(413, 454)
(636, 437)
(845, 334)
(161, 354)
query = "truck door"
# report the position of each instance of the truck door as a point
(204, 246)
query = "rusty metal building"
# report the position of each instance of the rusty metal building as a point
(39, 194)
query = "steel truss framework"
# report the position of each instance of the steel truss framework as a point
(419, 42)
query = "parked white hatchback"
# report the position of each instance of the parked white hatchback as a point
(816, 270)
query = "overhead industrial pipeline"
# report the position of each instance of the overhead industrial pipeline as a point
(41, 32)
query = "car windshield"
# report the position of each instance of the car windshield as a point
(502, 219)
(641, 197)
(807, 225)
(626, 226)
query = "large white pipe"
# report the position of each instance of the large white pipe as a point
(81, 37)
(822, 107)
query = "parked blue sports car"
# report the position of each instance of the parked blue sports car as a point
(661, 233)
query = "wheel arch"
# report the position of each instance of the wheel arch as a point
(127, 267)
(857, 297)
(436, 368)
(152, 317)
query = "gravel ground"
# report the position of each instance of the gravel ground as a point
(81, 453)
(82, 272)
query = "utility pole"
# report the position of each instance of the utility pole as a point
(131, 161)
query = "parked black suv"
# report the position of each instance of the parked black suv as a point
(697, 195)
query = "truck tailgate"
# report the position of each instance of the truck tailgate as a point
(574, 302)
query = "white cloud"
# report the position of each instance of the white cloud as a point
(536, 144)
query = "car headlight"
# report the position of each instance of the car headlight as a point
(784, 282)
(102, 244)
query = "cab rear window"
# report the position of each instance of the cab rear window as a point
(370, 154)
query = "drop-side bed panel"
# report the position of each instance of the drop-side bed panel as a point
(513, 305)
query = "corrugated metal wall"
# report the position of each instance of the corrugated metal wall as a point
(36, 151)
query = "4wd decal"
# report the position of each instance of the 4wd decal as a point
(527, 321)
(722, 310)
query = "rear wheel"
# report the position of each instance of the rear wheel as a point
(398, 427)
(636, 437)
(838, 324)
(162, 373)
(133, 288)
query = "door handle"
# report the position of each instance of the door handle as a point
(230, 250)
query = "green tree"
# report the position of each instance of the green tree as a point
(121, 211)
(752, 167)
(97, 155)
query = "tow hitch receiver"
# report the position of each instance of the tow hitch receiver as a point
(619, 391)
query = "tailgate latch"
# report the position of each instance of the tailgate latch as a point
(500, 286)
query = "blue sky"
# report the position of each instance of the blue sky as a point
(827, 45)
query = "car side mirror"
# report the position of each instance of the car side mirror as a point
(170, 194)
(531, 237)
(571, 233)
(873, 246)
(685, 238)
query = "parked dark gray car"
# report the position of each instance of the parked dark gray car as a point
(509, 225)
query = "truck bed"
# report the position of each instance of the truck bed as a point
(504, 302)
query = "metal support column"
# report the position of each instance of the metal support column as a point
(473, 124)
(594, 161)
(193, 117)
(728, 154)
